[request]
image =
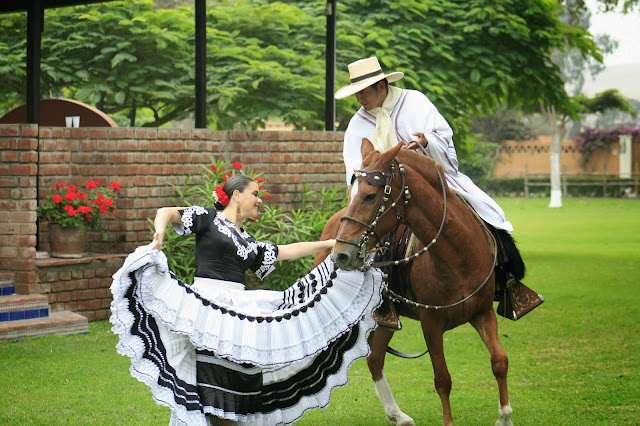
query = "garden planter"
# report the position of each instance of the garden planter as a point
(68, 243)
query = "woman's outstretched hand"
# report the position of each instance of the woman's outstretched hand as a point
(156, 244)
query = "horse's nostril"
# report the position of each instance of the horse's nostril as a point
(342, 258)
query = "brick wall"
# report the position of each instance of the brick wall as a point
(146, 162)
(18, 174)
(78, 285)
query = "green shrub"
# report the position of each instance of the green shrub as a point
(274, 225)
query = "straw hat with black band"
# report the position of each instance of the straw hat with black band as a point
(363, 73)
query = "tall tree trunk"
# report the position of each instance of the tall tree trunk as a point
(554, 153)
(558, 128)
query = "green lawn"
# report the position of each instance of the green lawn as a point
(575, 360)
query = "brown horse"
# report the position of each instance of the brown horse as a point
(452, 281)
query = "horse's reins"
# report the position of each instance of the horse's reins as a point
(375, 178)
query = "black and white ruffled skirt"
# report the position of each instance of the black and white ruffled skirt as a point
(257, 356)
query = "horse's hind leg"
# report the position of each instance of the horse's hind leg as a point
(487, 327)
(379, 341)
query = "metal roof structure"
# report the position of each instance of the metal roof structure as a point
(21, 5)
(35, 24)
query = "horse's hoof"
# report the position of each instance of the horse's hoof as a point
(406, 421)
(505, 416)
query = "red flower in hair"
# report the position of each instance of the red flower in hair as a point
(222, 198)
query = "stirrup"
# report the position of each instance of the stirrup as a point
(517, 300)
(387, 315)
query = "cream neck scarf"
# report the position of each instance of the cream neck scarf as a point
(384, 138)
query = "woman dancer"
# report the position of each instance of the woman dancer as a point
(215, 353)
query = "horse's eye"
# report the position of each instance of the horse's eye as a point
(369, 198)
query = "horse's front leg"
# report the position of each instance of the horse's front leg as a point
(433, 332)
(379, 341)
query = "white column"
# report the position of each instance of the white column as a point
(625, 156)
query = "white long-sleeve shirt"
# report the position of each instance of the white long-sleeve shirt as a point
(414, 112)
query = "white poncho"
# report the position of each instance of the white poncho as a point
(411, 111)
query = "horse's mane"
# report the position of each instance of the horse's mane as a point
(423, 164)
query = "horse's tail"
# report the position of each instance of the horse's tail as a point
(509, 259)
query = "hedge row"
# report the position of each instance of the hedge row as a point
(576, 187)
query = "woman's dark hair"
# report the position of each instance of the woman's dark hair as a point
(234, 183)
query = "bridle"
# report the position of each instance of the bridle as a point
(378, 178)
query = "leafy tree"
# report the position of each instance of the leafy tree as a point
(615, 117)
(263, 62)
(13, 60)
(266, 58)
(467, 57)
(626, 5)
(580, 105)
(121, 57)
(503, 125)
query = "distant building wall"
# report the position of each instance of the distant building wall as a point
(532, 157)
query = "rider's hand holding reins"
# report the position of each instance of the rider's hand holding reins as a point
(422, 141)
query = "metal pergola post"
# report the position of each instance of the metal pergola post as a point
(35, 24)
(330, 74)
(201, 64)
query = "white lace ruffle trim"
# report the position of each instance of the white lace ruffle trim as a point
(233, 328)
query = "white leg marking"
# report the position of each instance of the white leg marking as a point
(391, 408)
(505, 415)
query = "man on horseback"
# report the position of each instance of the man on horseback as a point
(388, 115)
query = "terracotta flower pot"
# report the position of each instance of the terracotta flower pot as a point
(68, 243)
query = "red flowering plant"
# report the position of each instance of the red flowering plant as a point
(72, 207)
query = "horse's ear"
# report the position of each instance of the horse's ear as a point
(366, 148)
(388, 156)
